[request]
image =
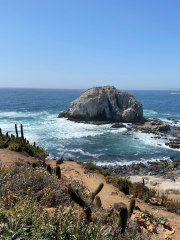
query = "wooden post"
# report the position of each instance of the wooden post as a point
(16, 130)
(22, 134)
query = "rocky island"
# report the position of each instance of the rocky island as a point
(104, 104)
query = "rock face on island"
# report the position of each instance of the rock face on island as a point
(104, 104)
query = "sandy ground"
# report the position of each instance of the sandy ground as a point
(166, 186)
(109, 194)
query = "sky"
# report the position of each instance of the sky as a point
(130, 44)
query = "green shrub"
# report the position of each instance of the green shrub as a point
(123, 184)
(15, 147)
(91, 167)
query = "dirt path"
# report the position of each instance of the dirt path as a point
(8, 157)
(110, 194)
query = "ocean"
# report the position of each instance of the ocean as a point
(37, 110)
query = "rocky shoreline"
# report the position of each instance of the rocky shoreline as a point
(167, 169)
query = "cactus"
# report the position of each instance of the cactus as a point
(6, 144)
(77, 199)
(1, 133)
(37, 149)
(34, 165)
(16, 130)
(123, 215)
(49, 169)
(34, 144)
(12, 136)
(131, 207)
(143, 182)
(98, 201)
(58, 172)
(22, 134)
(7, 135)
(93, 194)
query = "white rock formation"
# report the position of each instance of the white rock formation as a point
(104, 104)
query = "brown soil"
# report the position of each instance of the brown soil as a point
(109, 194)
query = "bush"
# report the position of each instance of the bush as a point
(91, 167)
(142, 192)
(15, 147)
(123, 184)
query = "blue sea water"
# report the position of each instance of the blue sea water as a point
(37, 110)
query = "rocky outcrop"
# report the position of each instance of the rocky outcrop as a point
(104, 104)
(152, 126)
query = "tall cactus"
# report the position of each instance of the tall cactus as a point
(22, 133)
(58, 172)
(131, 207)
(49, 169)
(16, 131)
(0, 132)
(93, 194)
(123, 216)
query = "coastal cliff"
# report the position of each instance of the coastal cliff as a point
(104, 104)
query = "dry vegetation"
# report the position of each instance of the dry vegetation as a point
(36, 205)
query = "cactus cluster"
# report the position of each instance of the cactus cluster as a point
(93, 194)
(124, 213)
(77, 199)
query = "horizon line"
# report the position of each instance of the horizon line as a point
(87, 88)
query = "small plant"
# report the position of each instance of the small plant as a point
(154, 219)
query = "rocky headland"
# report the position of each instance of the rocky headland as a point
(104, 104)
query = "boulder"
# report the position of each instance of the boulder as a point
(104, 104)
(118, 125)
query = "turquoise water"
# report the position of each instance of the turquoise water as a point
(37, 110)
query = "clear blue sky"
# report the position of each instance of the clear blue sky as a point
(131, 44)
